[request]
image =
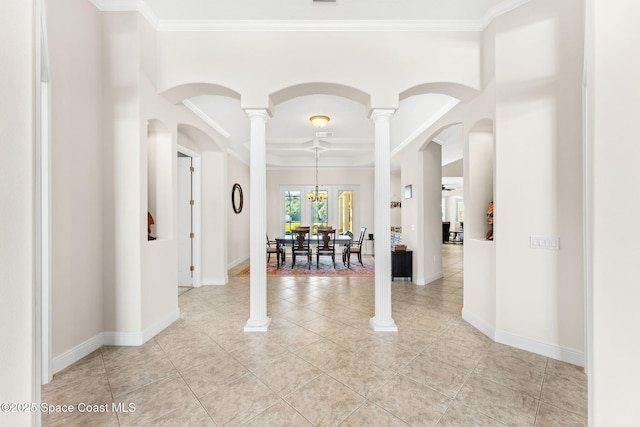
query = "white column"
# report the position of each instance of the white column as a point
(382, 322)
(258, 320)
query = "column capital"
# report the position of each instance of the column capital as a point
(258, 113)
(379, 113)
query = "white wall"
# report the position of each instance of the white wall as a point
(368, 61)
(17, 133)
(614, 102)
(125, 218)
(74, 34)
(539, 148)
(238, 224)
(397, 195)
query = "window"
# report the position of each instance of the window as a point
(320, 211)
(345, 211)
(291, 211)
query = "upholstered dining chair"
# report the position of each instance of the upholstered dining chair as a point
(326, 246)
(274, 247)
(354, 247)
(300, 245)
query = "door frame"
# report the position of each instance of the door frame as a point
(196, 180)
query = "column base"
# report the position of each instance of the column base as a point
(257, 327)
(387, 326)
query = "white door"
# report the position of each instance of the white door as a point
(185, 221)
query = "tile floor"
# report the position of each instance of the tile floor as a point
(320, 364)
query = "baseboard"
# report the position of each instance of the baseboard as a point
(160, 324)
(237, 262)
(422, 281)
(479, 324)
(127, 339)
(215, 281)
(512, 340)
(545, 349)
(71, 356)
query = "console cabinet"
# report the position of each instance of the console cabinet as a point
(402, 264)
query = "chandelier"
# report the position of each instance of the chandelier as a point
(316, 196)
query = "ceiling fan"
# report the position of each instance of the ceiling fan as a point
(447, 188)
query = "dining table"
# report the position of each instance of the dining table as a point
(313, 239)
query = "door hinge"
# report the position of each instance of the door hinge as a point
(191, 268)
(192, 202)
(192, 235)
(192, 169)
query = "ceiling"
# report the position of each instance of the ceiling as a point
(291, 140)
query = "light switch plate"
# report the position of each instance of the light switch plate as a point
(541, 242)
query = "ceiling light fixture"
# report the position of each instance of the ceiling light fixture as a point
(316, 196)
(319, 121)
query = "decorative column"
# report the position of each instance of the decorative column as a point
(382, 322)
(258, 320)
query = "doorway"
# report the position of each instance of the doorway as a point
(185, 232)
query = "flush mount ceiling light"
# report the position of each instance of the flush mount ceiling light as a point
(319, 121)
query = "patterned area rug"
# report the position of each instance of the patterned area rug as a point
(326, 267)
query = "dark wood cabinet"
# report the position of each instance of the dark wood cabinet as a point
(402, 264)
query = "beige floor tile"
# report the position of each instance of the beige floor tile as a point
(459, 415)
(119, 356)
(239, 401)
(323, 354)
(512, 372)
(414, 403)
(352, 338)
(259, 354)
(155, 400)
(127, 378)
(287, 374)
(385, 354)
(89, 366)
(324, 326)
(279, 415)
(360, 376)
(436, 374)
(498, 402)
(550, 416)
(194, 354)
(192, 415)
(88, 390)
(294, 338)
(462, 354)
(325, 401)
(372, 415)
(82, 419)
(215, 372)
(565, 386)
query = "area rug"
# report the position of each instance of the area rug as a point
(325, 269)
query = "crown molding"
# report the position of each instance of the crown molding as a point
(318, 25)
(304, 25)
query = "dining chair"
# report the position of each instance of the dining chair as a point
(354, 248)
(300, 245)
(327, 246)
(274, 247)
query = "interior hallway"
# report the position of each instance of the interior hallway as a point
(321, 364)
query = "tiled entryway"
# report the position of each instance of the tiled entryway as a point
(320, 364)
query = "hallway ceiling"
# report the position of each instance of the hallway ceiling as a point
(291, 140)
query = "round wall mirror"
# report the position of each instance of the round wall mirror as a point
(237, 199)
